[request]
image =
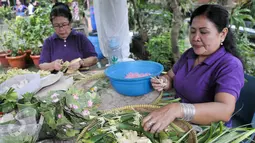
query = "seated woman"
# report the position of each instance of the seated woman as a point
(65, 44)
(20, 8)
(208, 77)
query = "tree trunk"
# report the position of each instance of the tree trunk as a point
(177, 23)
(136, 13)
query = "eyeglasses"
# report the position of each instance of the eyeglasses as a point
(58, 26)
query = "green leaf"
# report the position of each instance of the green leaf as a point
(11, 95)
(72, 132)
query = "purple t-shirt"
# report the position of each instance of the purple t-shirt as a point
(75, 46)
(220, 72)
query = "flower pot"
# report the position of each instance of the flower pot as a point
(3, 60)
(17, 62)
(35, 59)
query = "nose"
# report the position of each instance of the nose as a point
(196, 37)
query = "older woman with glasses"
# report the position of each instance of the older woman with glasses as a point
(65, 44)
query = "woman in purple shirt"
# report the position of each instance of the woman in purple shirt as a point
(65, 44)
(208, 77)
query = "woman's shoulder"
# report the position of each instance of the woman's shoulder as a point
(230, 60)
(230, 63)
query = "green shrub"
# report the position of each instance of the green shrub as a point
(159, 48)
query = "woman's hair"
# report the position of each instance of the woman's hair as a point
(220, 17)
(60, 9)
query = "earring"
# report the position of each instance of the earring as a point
(221, 43)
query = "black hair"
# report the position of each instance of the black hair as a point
(220, 17)
(60, 9)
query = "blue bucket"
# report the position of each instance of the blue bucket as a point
(94, 40)
(92, 17)
(134, 86)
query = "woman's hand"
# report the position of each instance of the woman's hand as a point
(158, 120)
(57, 64)
(160, 83)
(74, 66)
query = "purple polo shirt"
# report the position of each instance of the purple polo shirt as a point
(75, 46)
(220, 72)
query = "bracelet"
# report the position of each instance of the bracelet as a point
(188, 110)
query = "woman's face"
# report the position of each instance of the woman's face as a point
(204, 36)
(62, 26)
(18, 2)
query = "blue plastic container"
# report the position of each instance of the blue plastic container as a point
(135, 86)
(92, 17)
(94, 40)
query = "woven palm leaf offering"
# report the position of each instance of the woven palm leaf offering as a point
(123, 125)
(67, 113)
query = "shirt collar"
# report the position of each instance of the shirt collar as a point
(73, 33)
(212, 58)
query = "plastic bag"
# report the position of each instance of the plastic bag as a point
(24, 130)
(112, 21)
(22, 84)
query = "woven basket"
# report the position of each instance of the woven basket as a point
(148, 108)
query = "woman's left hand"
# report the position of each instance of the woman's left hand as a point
(74, 66)
(159, 119)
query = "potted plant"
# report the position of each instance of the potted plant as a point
(3, 52)
(36, 52)
(16, 58)
(28, 100)
(8, 100)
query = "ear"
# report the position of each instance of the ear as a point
(223, 34)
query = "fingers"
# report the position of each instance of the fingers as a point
(160, 83)
(159, 119)
(146, 119)
(58, 64)
(153, 126)
(75, 66)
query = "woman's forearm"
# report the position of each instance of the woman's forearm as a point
(90, 61)
(47, 66)
(207, 113)
(219, 110)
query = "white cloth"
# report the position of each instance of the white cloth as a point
(112, 21)
(30, 9)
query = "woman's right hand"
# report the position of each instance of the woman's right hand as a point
(57, 64)
(160, 83)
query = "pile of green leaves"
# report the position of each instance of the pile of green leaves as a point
(218, 133)
(125, 126)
